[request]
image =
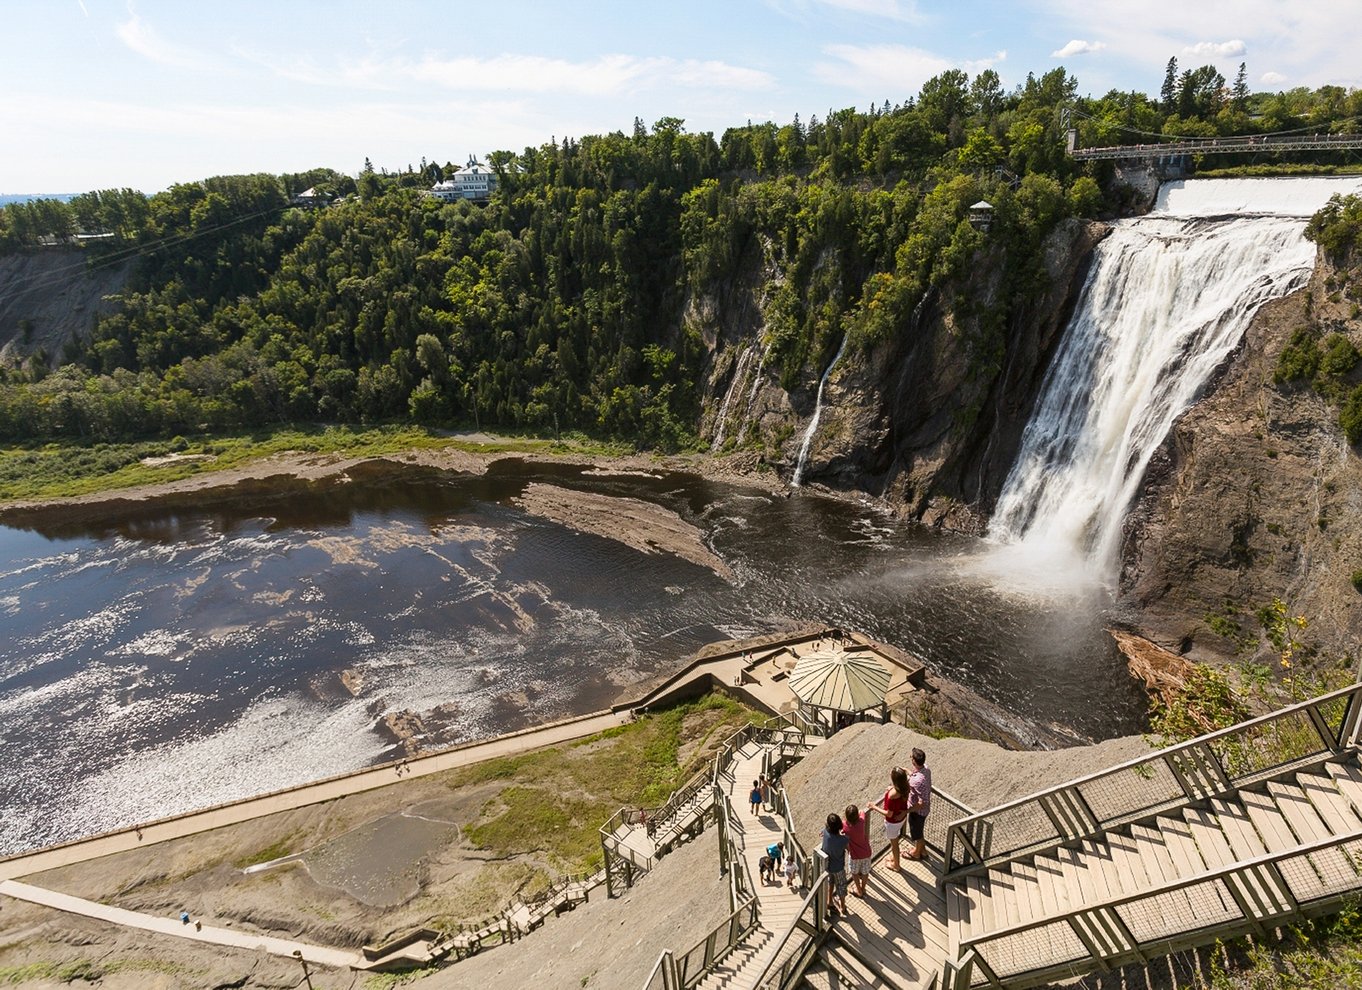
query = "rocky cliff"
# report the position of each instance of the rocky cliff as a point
(929, 420)
(1255, 495)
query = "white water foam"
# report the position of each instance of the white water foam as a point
(744, 359)
(817, 414)
(1169, 296)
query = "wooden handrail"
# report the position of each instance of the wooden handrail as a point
(959, 831)
(1221, 874)
(816, 895)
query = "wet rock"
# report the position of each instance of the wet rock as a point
(353, 681)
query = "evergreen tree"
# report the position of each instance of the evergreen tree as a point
(1169, 93)
(1241, 91)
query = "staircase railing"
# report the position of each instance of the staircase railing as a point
(681, 972)
(677, 805)
(799, 943)
(1213, 764)
(1245, 896)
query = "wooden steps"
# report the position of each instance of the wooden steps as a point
(1178, 847)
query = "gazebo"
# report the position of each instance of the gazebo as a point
(981, 215)
(838, 687)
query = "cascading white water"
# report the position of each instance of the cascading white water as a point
(803, 461)
(1168, 297)
(743, 360)
(752, 395)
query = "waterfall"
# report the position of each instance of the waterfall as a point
(752, 395)
(743, 360)
(1168, 297)
(813, 423)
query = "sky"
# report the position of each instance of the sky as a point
(112, 93)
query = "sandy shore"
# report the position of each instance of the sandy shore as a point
(280, 472)
(642, 525)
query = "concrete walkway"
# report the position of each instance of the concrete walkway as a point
(319, 955)
(25, 864)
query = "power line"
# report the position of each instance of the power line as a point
(67, 273)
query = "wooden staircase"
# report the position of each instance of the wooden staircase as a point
(1234, 833)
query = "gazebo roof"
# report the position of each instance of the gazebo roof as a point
(848, 682)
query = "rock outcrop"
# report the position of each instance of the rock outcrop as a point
(1255, 495)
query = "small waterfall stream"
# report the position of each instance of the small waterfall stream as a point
(803, 461)
(744, 359)
(752, 394)
(1168, 297)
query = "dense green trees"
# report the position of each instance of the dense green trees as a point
(562, 304)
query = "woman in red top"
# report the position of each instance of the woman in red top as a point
(894, 807)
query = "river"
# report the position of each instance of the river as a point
(169, 661)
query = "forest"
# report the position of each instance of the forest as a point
(565, 303)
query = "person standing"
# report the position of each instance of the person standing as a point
(894, 807)
(857, 829)
(835, 848)
(919, 803)
(755, 797)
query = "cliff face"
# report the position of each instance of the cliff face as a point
(930, 420)
(1256, 494)
(50, 297)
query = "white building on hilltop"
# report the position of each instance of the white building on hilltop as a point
(473, 181)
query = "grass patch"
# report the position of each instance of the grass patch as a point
(50, 972)
(1323, 954)
(148, 966)
(275, 850)
(557, 799)
(58, 470)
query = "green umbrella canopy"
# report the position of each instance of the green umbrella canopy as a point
(848, 682)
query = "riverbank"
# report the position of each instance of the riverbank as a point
(74, 478)
(425, 848)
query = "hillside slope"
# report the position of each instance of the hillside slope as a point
(48, 298)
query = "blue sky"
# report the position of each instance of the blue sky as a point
(144, 94)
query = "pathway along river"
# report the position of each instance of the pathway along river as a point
(172, 661)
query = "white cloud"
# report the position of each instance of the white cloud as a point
(1273, 78)
(1300, 40)
(605, 75)
(1078, 47)
(1216, 49)
(142, 38)
(892, 70)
